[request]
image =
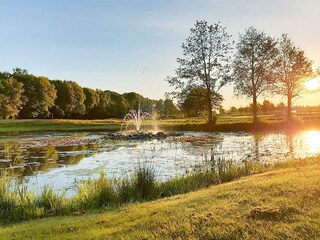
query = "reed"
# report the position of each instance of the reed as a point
(17, 203)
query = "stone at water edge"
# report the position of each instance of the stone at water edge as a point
(161, 134)
(138, 135)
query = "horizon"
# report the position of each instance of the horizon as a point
(132, 47)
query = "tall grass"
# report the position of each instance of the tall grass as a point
(17, 203)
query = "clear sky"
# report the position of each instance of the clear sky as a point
(132, 45)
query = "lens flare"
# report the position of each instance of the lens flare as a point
(313, 84)
(312, 139)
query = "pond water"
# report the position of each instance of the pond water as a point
(60, 159)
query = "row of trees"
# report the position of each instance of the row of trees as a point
(24, 95)
(266, 107)
(260, 65)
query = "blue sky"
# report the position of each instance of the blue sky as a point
(132, 45)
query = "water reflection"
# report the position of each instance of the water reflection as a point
(61, 166)
(16, 159)
(312, 138)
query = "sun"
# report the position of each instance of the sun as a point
(313, 84)
(312, 138)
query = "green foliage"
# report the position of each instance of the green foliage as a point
(169, 109)
(268, 107)
(45, 98)
(18, 203)
(101, 109)
(282, 204)
(91, 99)
(295, 71)
(70, 99)
(118, 106)
(10, 98)
(255, 65)
(196, 101)
(39, 93)
(206, 63)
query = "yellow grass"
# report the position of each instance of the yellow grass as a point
(282, 204)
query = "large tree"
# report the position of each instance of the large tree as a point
(255, 65)
(195, 103)
(295, 70)
(11, 99)
(91, 99)
(118, 105)
(169, 109)
(70, 99)
(39, 92)
(206, 62)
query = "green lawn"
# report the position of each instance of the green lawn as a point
(224, 123)
(282, 204)
(37, 125)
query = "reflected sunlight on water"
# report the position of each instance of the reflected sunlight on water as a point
(312, 139)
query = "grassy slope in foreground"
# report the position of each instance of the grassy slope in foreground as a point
(282, 204)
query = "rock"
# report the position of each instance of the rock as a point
(137, 135)
(161, 135)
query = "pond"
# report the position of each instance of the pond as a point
(62, 159)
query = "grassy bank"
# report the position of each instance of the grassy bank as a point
(18, 204)
(224, 123)
(281, 204)
(13, 127)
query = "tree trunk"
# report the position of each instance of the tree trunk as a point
(255, 109)
(289, 113)
(210, 116)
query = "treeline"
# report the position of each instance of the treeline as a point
(257, 65)
(266, 107)
(23, 95)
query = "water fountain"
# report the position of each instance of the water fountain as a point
(135, 117)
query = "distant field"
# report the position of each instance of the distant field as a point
(224, 123)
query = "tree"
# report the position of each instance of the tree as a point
(79, 108)
(195, 102)
(233, 110)
(117, 106)
(91, 99)
(267, 107)
(100, 111)
(295, 69)
(281, 107)
(39, 92)
(133, 100)
(70, 99)
(206, 63)
(11, 92)
(20, 71)
(255, 66)
(159, 107)
(169, 109)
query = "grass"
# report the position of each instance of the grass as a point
(224, 123)
(13, 127)
(18, 204)
(280, 204)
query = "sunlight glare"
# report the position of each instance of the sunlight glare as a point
(313, 84)
(312, 139)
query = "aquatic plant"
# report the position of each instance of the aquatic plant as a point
(17, 203)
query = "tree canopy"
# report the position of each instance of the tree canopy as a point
(206, 63)
(295, 70)
(10, 97)
(255, 65)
